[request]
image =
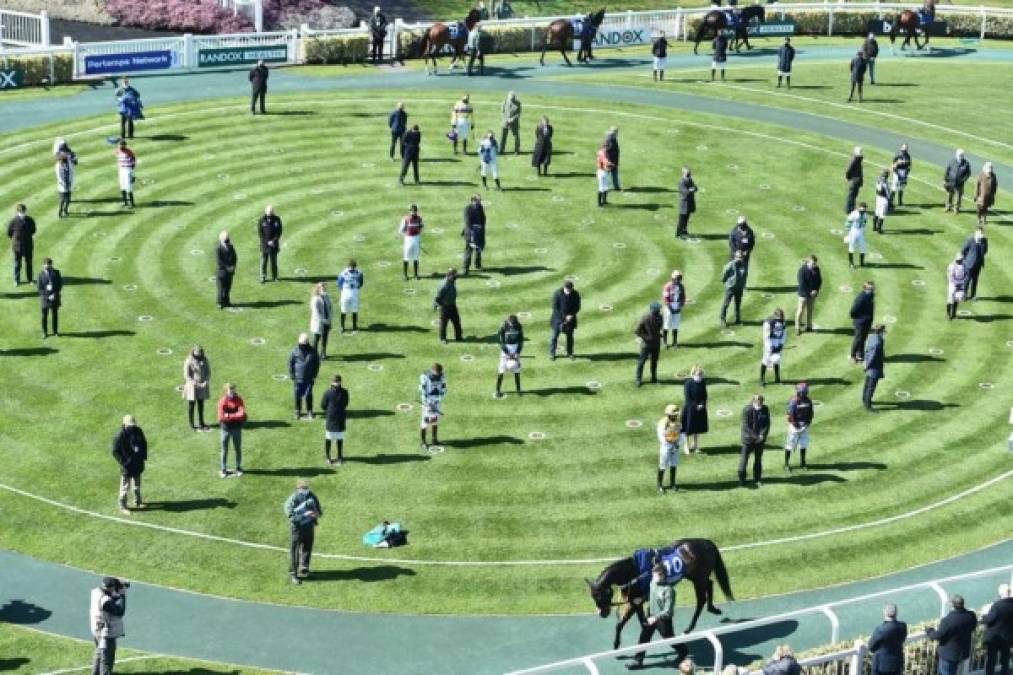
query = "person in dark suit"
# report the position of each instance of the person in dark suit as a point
(858, 67)
(446, 301)
(410, 153)
(785, 57)
(541, 156)
(871, 50)
(954, 636)
(755, 428)
(50, 285)
(875, 357)
(741, 239)
(473, 233)
(649, 332)
(694, 409)
(687, 202)
(335, 405)
(258, 87)
(810, 280)
(226, 260)
(378, 32)
(974, 251)
(21, 231)
(130, 450)
(855, 177)
(998, 637)
(398, 123)
(269, 230)
(720, 46)
(958, 170)
(612, 152)
(862, 310)
(887, 644)
(565, 307)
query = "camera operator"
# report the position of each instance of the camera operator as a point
(108, 605)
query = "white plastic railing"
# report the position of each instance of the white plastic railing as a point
(712, 635)
(24, 29)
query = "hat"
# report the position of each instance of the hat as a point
(655, 307)
(129, 421)
(109, 583)
(671, 409)
(676, 274)
(302, 483)
(802, 387)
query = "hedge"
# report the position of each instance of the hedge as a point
(35, 69)
(495, 40)
(336, 49)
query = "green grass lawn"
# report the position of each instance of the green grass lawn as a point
(42, 92)
(587, 489)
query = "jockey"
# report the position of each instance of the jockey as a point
(432, 389)
(927, 13)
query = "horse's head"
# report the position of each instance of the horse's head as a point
(472, 18)
(597, 18)
(602, 596)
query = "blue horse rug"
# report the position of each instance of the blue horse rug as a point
(458, 31)
(647, 558)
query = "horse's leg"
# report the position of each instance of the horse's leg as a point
(710, 598)
(562, 50)
(621, 623)
(701, 594)
(541, 59)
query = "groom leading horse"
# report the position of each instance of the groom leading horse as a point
(718, 20)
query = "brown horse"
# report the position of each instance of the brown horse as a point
(911, 22)
(716, 21)
(438, 36)
(560, 34)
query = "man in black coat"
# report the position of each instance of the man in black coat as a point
(335, 406)
(50, 285)
(810, 280)
(649, 332)
(398, 123)
(687, 203)
(887, 644)
(473, 233)
(378, 32)
(741, 239)
(226, 260)
(855, 177)
(130, 450)
(21, 231)
(445, 300)
(974, 251)
(954, 636)
(998, 637)
(858, 68)
(958, 170)
(755, 428)
(871, 50)
(303, 367)
(875, 359)
(269, 230)
(303, 511)
(258, 87)
(565, 307)
(612, 152)
(861, 318)
(410, 153)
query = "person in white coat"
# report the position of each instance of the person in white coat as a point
(669, 438)
(775, 333)
(321, 318)
(854, 235)
(66, 160)
(956, 283)
(350, 282)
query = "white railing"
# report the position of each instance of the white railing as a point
(713, 635)
(23, 29)
(254, 9)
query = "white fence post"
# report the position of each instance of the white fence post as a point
(830, 22)
(858, 659)
(75, 71)
(984, 19)
(293, 52)
(942, 598)
(258, 16)
(44, 28)
(835, 625)
(188, 60)
(719, 652)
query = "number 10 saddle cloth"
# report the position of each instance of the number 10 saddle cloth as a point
(673, 558)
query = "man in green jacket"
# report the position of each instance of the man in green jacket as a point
(660, 612)
(511, 115)
(734, 278)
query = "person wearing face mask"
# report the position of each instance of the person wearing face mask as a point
(660, 613)
(649, 333)
(901, 172)
(800, 417)
(734, 278)
(21, 232)
(673, 298)
(694, 409)
(334, 404)
(875, 370)
(957, 172)
(755, 427)
(984, 192)
(226, 260)
(775, 333)
(862, 312)
(196, 385)
(511, 341)
(974, 251)
(231, 418)
(432, 390)
(956, 283)
(669, 436)
(810, 280)
(303, 511)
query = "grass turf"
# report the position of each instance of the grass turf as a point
(586, 490)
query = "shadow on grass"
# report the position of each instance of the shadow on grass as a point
(85, 281)
(371, 356)
(483, 441)
(798, 478)
(913, 358)
(368, 414)
(720, 344)
(297, 471)
(989, 318)
(267, 424)
(384, 460)
(389, 328)
(848, 466)
(367, 574)
(17, 663)
(554, 391)
(265, 304)
(162, 203)
(98, 334)
(29, 351)
(516, 270)
(168, 137)
(23, 613)
(186, 505)
(915, 404)
(773, 289)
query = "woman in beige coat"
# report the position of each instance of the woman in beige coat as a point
(197, 385)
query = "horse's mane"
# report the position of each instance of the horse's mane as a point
(613, 569)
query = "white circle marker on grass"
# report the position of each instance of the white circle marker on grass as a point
(537, 435)
(145, 318)
(337, 213)
(223, 177)
(212, 279)
(764, 186)
(541, 251)
(531, 179)
(258, 341)
(903, 395)
(768, 296)
(985, 385)
(889, 318)
(874, 255)
(375, 367)
(196, 251)
(652, 271)
(279, 377)
(732, 212)
(512, 226)
(935, 351)
(836, 231)
(178, 387)
(724, 412)
(180, 226)
(846, 289)
(130, 287)
(571, 277)
(367, 165)
(917, 282)
(234, 310)
(605, 308)
(964, 312)
(593, 385)
(239, 196)
(798, 208)
(114, 258)
(558, 198)
(728, 332)
(701, 148)
(164, 351)
(95, 235)
(404, 407)
(693, 240)
(147, 181)
(409, 291)
(767, 235)
(634, 424)
(619, 245)
(493, 283)
(733, 167)
(301, 271)
(435, 449)
(383, 263)
(817, 403)
(467, 358)
(1009, 343)
(523, 315)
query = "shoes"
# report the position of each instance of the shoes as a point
(309, 415)
(637, 383)
(661, 490)
(124, 510)
(223, 474)
(498, 395)
(45, 335)
(298, 414)
(759, 483)
(724, 324)
(238, 473)
(140, 505)
(443, 341)
(330, 462)
(424, 447)
(571, 356)
(295, 580)
(787, 469)
(634, 666)
(552, 357)
(673, 487)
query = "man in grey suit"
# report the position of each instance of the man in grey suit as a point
(875, 358)
(887, 644)
(957, 173)
(687, 202)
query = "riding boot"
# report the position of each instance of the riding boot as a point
(464, 145)
(499, 385)
(655, 75)
(404, 267)
(712, 74)
(664, 338)
(763, 375)
(900, 197)
(435, 432)
(131, 196)
(675, 339)
(124, 195)
(455, 147)
(422, 437)
(661, 479)
(485, 183)
(861, 260)
(802, 457)
(671, 479)
(415, 266)
(327, 450)
(851, 260)
(498, 186)
(517, 383)
(778, 81)
(787, 461)
(722, 74)
(788, 78)
(777, 373)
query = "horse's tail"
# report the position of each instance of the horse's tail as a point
(424, 43)
(722, 574)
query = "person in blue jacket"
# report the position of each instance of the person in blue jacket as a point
(785, 56)
(128, 103)
(398, 123)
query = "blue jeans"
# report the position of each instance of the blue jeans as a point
(948, 667)
(236, 434)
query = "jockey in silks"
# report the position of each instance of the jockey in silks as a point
(432, 389)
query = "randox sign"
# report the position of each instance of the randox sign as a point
(236, 56)
(766, 29)
(637, 35)
(12, 78)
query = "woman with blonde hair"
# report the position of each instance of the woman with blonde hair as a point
(197, 385)
(782, 662)
(687, 667)
(694, 410)
(321, 313)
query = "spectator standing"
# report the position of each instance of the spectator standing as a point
(720, 46)
(488, 152)
(734, 278)
(565, 308)
(862, 311)
(130, 450)
(378, 32)
(126, 161)
(687, 202)
(660, 613)
(956, 283)
(226, 261)
(810, 280)
(785, 57)
(350, 283)
(854, 235)
(398, 123)
(475, 50)
(649, 333)
(887, 644)
(604, 173)
(958, 170)
(66, 161)
(541, 156)
(303, 511)
(432, 390)
(473, 233)
(21, 231)
(410, 148)
(445, 300)
(511, 342)
(854, 175)
(901, 172)
(659, 50)
(106, 610)
(258, 87)
(694, 409)
(775, 334)
(800, 413)
(875, 365)
(782, 662)
(670, 436)
(335, 406)
(984, 192)
(858, 67)
(321, 318)
(755, 428)
(510, 118)
(411, 230)
(196, 386)
(50, 285)
(612, 152)
(741, 239)
(129, 106)
(673, 297)
(460, 122)
(954, 635)
(975, 249)
(231, 420)
(998, 637)
(870, 48)
(269, 229)
(303, 366)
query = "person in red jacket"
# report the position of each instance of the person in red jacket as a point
(231, 418)
(605, 168)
